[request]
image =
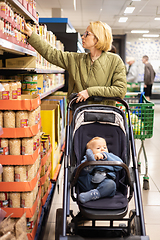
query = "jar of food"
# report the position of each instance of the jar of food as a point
(1, 119)
(20, 174)
(3, 146)
(13, 90)
(15, 146)
(31, 118)
(9, 119)
(27, 199)
(21, 119)
(4, 95)
(4, 199)
(27, 146)
(8, 173)
(14, 200)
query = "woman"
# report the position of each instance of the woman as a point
(98, 73)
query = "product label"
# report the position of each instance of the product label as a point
(36, 119)
(37, 142)
(26, 174)
(5, 95)
(24, 123)
(14, 94)
(34, 146)
(17, 177)
(10, 203)
(4, 203)
(23, 150)
(4, 151)
(3, 8)
(30, 225)
(19, 91)
(22, 203)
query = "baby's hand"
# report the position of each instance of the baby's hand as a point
(98, 156)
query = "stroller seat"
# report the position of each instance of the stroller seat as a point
(110, 125)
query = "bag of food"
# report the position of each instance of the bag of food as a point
(21, 227)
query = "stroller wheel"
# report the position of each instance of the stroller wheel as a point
(135, 224)
(59, 223)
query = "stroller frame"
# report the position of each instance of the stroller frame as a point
(135, 221)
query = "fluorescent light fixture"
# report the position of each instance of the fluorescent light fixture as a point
(129, 9)
(150, 35)
(140, 31)
(136, 0)
(74, 5)
(123, 19)
(158, 19)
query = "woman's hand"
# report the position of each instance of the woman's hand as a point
(27, 30)
(82, 96)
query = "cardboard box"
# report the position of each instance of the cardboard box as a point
(22, 62)
(50, 121)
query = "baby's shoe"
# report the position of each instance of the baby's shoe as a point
(89, 196)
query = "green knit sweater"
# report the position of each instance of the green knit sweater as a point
(105, 77)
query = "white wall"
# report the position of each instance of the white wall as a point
(137, 47)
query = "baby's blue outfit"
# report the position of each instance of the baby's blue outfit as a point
(101, 178)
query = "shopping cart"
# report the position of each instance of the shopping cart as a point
(142, 118)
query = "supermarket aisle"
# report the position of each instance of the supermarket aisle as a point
(151, 197)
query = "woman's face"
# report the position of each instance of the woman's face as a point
(88, 39)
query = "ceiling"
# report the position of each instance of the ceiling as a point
(108, 11)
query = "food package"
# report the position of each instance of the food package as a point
(12, 90)
(34, 142)
(21, 119)
(27, 199)
(14, 200)
(4, 95)
(3, 146)
(27, 146)
(7, 225)
(21, 228)
(31, 118)
(15, 146)
(9, 119)
(20, 173)
(8, 173)
(1, 119)
(4, 199)
(19, 90)
(30, 172)
(8, 236)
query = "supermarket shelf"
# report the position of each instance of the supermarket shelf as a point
(14, 48)
(30, 70)
(43, 95)
(21, 9)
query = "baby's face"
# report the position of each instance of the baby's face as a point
(98, 146)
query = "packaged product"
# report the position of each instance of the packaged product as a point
(8, 236)
(8, 173)
(21, 227)
(19, 90)
(9, 119)
(21, 119)
(27, 199)
(20, 174)
(0, 177)
(27, 78)
(27, 146)
(1, 119)
(31, 118)
(4, 95)
(35, 192)
(31, 85)
(30, 169)
(42, 171)
(4, 199)
(38, 138)
(42, 191)
(12, 90)
(31, 222)
(4, 146)
(14, 199)
(15, 146)
(34, 142)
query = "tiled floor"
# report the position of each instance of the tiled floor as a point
(151, 197)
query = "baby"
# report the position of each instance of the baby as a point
(99, 181)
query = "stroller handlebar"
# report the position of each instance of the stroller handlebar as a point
(73, 97)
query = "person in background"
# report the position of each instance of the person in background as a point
(98, 181)
(132, 72)
(149, 75)
(97, 73)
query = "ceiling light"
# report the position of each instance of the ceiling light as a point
(136, 0)
(140, 31)
(129, 9)
(157, 19)
(150, 35)
(123, 19)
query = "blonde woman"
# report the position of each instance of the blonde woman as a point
(97, 73)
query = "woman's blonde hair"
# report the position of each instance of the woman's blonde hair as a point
(103, 33)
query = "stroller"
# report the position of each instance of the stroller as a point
(104, 218)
